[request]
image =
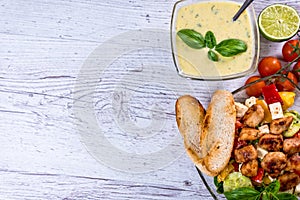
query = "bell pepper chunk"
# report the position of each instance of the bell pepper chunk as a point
(271, 95)
(259, 177)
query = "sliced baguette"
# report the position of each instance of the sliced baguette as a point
(218, 131)
(189, 117)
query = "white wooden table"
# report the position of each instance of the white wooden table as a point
(87, 93)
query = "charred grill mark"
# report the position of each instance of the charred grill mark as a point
(277, 126)
(271, 142)
(274, 163)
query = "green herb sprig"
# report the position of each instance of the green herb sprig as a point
(226, 48)
(270, 192)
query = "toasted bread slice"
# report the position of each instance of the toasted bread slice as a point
(218, 131)
(189, 117)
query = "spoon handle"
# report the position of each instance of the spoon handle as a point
(244, 6)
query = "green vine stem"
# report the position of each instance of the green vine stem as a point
(271, 77)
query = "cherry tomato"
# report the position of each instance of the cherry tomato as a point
(296, 70)
(268, 66)
(290, 50)
(255, 89)
(286, 85)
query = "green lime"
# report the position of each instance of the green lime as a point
(236, 180)
(278, 22)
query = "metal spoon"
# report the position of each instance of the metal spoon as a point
(244, 6)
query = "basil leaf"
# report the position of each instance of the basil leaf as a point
(210, 39)
(274, 197)
(273, 187)
(231, 47)
(219, 186)
(242, 194)
(286, 196)
(216, 181)
(192, 38)
(265, 196)
(212, 56)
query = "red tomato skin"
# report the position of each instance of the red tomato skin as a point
(256, 89)
(286, 85)
(287, 50)
(268, 66)
(296, 70)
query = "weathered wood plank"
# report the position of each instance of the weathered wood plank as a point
(28, 185)
(44, 45)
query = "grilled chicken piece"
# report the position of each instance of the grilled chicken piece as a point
(250, 168)
(288, 180)
(271, 142)
(274, 163)
(277, 126)
(245, 154)
(293, 163)
(249, 134)
(291, 145)
(254, 116)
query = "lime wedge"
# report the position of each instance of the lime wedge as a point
(278, 22)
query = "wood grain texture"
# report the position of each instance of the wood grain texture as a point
(43, 86)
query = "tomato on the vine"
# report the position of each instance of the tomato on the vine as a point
(255, 89)
(286, 85)
(290, 50)
(296, 70)
(268, 66)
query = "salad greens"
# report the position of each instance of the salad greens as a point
(295, 126)
(226, 48)
(236, 180)
(269, 192)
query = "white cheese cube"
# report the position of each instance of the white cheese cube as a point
(297, 189)
(276, 110)
(261, 152)
(250, 101)
(272, 179)
(264, 129)
(241, 109)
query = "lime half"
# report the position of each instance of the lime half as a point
(278, 22)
